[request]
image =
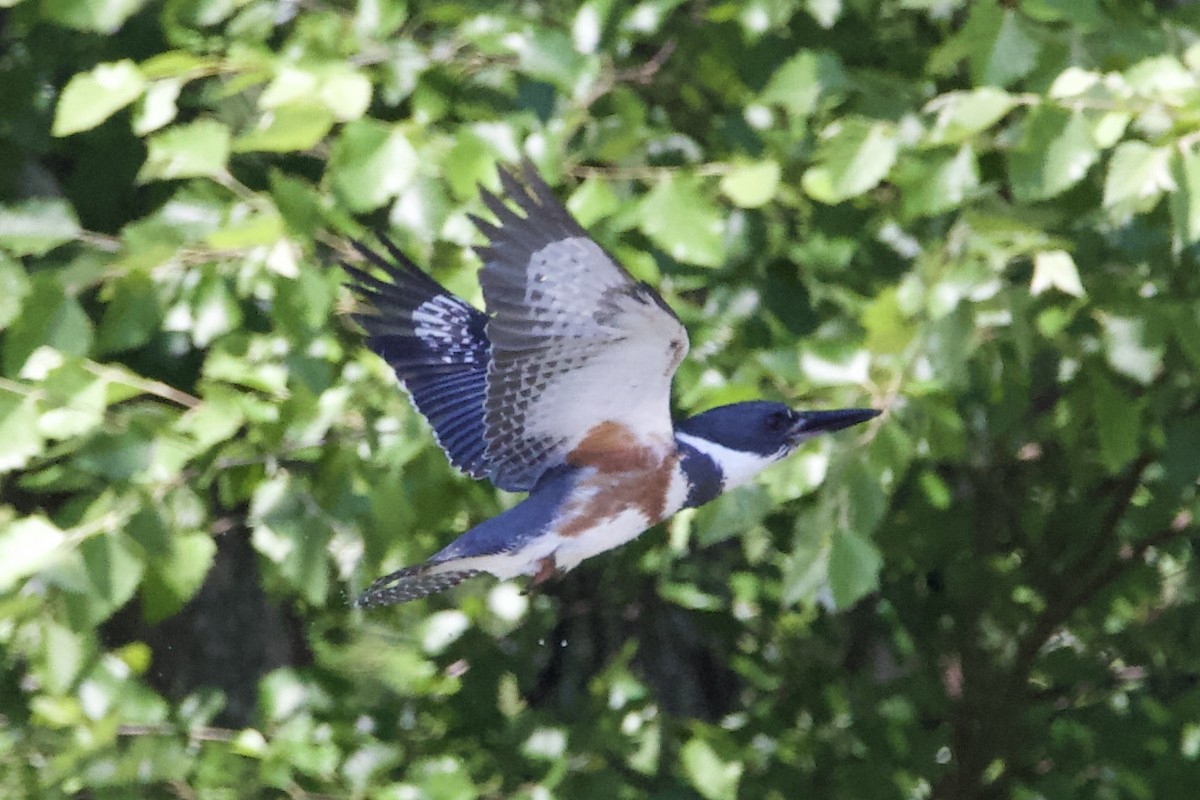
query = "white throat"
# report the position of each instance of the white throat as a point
(736, 466)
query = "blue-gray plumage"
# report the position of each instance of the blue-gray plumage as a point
(563, 390)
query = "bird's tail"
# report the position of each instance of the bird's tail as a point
(411, 583)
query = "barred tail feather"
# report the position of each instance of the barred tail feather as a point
(411, 583)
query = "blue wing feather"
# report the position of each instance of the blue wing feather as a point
(436, 343)
(500, 535)
(512, 529)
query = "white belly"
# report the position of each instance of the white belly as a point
(569, 544)
(607, 534)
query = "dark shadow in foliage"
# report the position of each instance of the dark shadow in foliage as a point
(227, 638)
(604, 607)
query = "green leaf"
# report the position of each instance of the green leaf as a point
(807, 571)
(731, 515)
(14, 286)
(710, 775)
(288, 534)
(1082, 14)
(102, 576)
(592, 201)
(681, 219)
(1001, 46)
(1138, 174)
(37, 226)
(469, 163)
(854, 564)
(215, 420)
(92, 97)
(74, 403)
(1055, 153)
(547, 54)
(132, 315)
(288, 128)
(118, 457)
(176, 64)
(800, 83)
(197, 150)
(18, 431)
(1185, 200)
(1185, 330)
(234, 367)
(1127, 349)
(935, 183)
(751, 185)
(342, 92)
(178, 577)
(961, 115)
(853, 158)
(298, 202)
(371, 163)
(691, 597)
(157, 107)
(1055, 268)
(51, 319)
(1118, 423)
(889, 330)
(27, 545)
(588, 24)
(345, 92)
(66, 653)
(1161, 77)
(100, 16)
(825, 12)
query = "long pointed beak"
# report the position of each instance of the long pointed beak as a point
(813, 422)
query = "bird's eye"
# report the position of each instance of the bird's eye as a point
(779, 421)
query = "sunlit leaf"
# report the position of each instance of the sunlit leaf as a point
(798, 84)
(371, 163)
(853, 158)
(751, 185)
(92, 97)
(1055, 269)
(100, 16)
(1055, 153)
(26, 545)
(291, 127)
(33, 227)
(195, 150)
(157, 106)
(679, 217)
(1137, 177)
(1185, 201)
(961, 115)
(18, 430)
(710, 775)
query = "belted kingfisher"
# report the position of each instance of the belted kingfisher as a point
(562, 389)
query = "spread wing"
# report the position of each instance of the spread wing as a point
(576, 340)
(437, 345)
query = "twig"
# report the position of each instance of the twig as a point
(202, 733)
(646, 171)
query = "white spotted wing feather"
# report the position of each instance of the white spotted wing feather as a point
(576, 340)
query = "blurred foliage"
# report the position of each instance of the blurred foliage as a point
(982, 217)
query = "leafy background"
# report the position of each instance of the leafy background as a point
(982, 217)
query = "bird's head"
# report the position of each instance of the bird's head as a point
(744, 438)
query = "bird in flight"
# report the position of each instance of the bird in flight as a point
(562, 390)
